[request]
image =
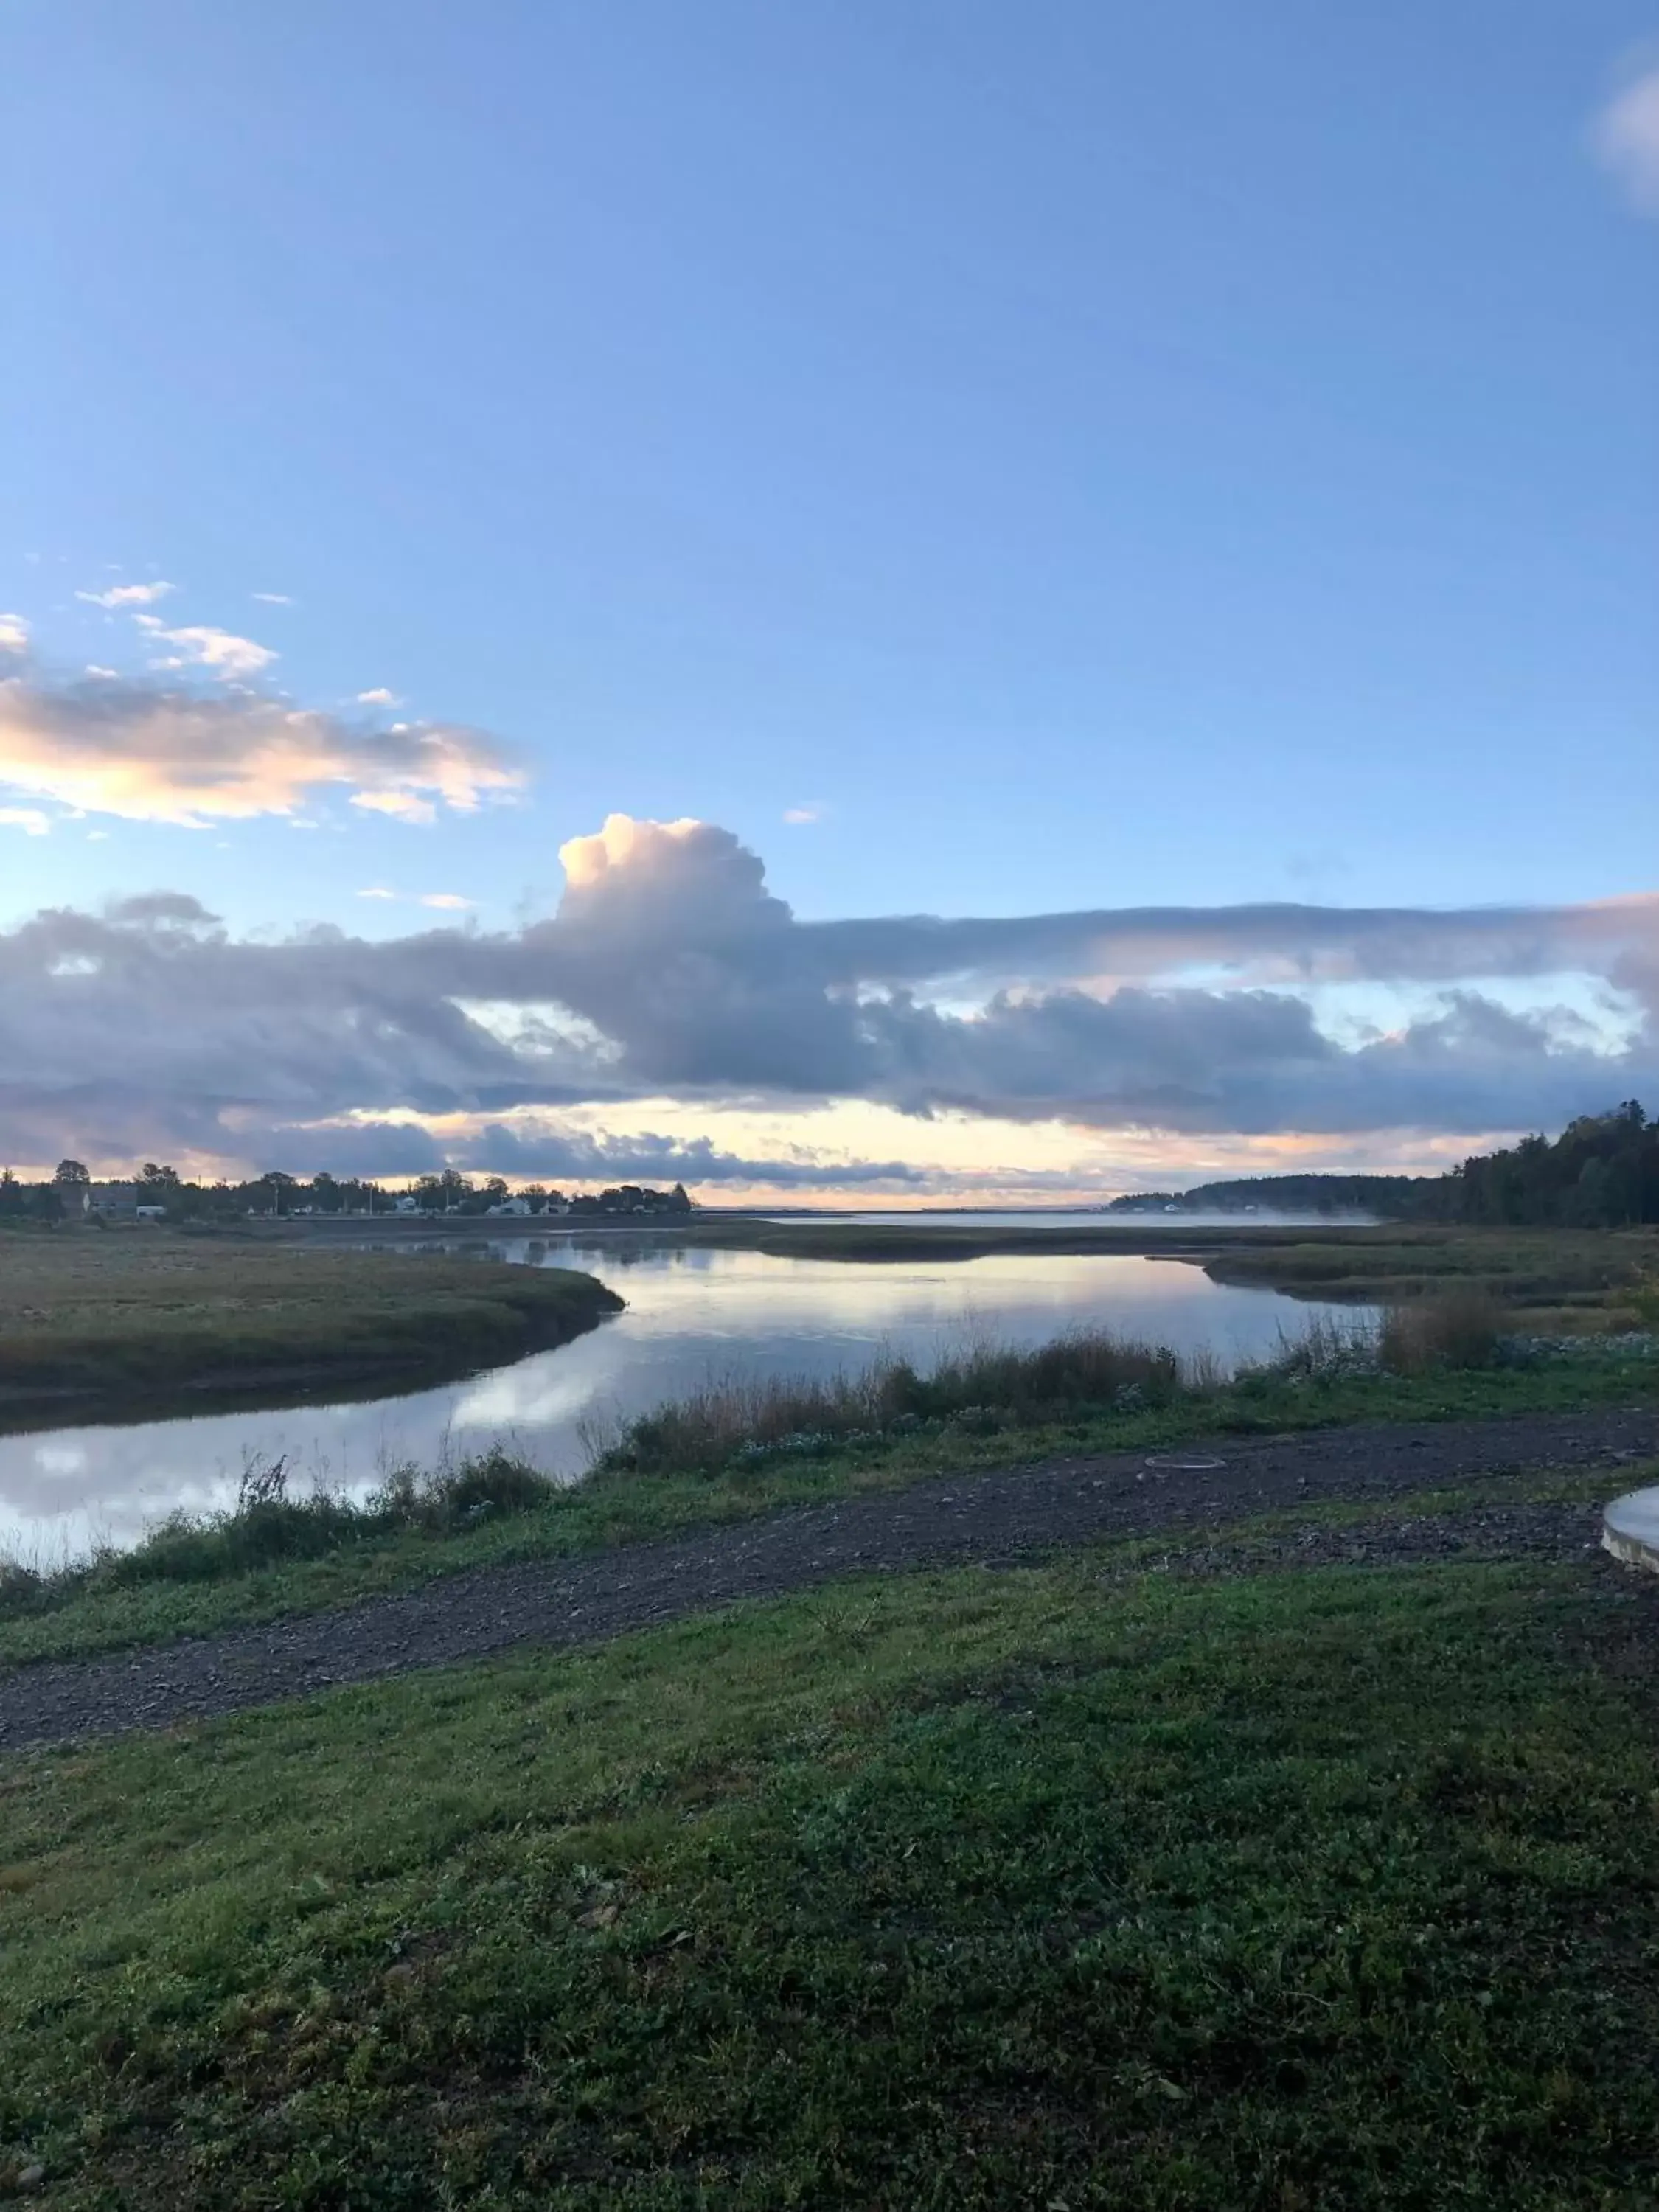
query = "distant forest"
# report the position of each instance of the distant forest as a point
(1602, 1172)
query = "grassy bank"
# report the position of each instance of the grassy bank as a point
(1547, 1278)
(735, 1453)
(148, 1312)
(1550, 1279)
(1048, 1889)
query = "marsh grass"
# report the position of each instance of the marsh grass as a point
(137, 1314)
(1458, 1329)
(983, 1385)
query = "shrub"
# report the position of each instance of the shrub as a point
(1459, 1328)
(1326, 1350)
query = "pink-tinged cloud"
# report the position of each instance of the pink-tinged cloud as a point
(149, 753)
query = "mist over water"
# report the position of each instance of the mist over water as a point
(692, 1314)
(1067, 1220)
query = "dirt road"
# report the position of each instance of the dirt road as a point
(997, 1520)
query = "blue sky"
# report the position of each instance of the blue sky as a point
(1082, 457)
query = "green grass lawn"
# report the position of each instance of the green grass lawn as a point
(70, 1620)
(1335, 1889)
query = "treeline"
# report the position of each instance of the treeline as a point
(1602, 1172)
(72, 1193)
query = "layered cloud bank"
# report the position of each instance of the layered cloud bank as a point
(669, 971)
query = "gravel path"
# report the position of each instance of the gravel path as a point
(997, 1520)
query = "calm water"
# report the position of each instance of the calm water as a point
(690, 1314)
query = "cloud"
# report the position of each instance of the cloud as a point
(448, 902)
(1626, 140)
(670, 971)
(153, 753)
(272, 598)
(550, 1150)
(29, 819)
(14, 633)
(201, 646)
(127, 595)
(377, 891)
(107, 674)
(797, 816)
(379, 696)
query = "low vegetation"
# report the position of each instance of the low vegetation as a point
(1064, 1888)
(267, 1527)
(147, 1310)
(1561, 1281)
(1558, 1280)
(985, 1387)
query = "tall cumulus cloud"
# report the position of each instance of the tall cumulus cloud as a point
(670, 970)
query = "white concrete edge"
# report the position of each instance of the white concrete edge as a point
(1630, 1529)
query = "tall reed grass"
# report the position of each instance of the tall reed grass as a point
(983, 1384)
(1457, 1329)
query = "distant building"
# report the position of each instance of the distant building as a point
(112, 1201)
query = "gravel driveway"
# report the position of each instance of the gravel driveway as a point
(997, 1520)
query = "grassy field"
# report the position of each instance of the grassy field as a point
(1551, 1279)
(194, 1578)
(1548, 1278)
(1077, 1888)
(152, 1310)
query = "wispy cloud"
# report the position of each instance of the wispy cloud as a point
(272, 598)
(14, 633)
(104, 675)
(201, 646)
(1626, 139)
(151, 753)
(127, 595)
(445, 902)
(799, 816)
(29, 819)
(379, 696)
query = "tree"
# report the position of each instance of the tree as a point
(71, 1171)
